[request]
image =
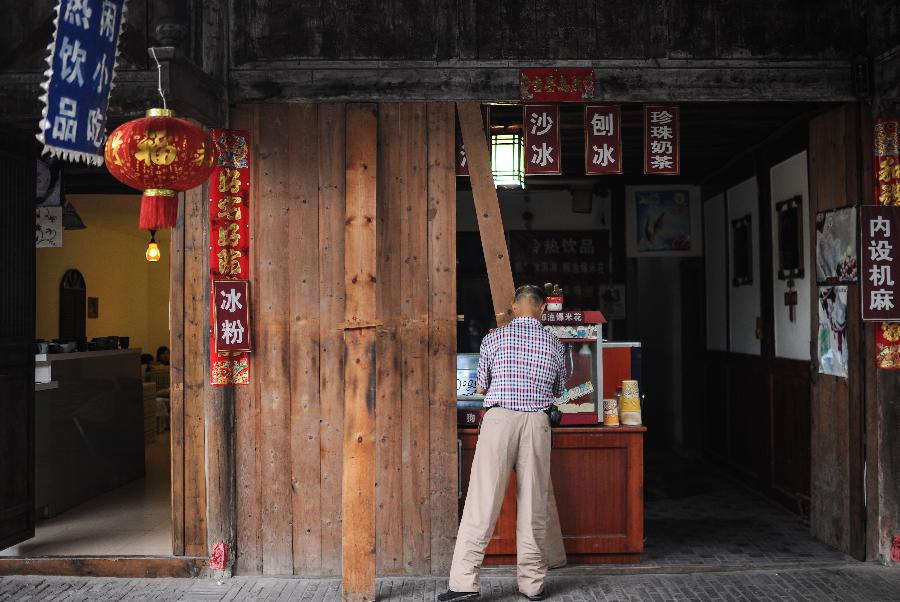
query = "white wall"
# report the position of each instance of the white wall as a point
(716, 258)
(792, 339)
(744, 300)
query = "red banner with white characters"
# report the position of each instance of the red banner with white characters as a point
(461, 161)
(229, 258)
(602, 140)
(886, 161)
(662, 136)
(574, 84)
(543, 155)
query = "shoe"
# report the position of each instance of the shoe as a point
(537, 597)
(452, 596)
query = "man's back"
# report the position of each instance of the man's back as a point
(522, 366)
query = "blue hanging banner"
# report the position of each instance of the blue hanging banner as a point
(82, 64)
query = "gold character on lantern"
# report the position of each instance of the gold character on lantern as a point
(116, 144)
(228, 261)
(229, 236)
(157, 148)
(228, 207)
(229, 180)
(199, 155)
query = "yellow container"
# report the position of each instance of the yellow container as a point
(630, 388)
(610, 412)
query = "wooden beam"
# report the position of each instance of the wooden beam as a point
(331, 315)
(272, 328)
(358, 498)
(626, 80)
(176, 377)
(442, 334)
(487, 208)
(306, 475)
(109, 566)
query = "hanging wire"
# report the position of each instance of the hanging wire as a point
(158, 75)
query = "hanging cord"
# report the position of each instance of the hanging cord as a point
(158, 75)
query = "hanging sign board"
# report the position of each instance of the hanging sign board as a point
(556, 85)
(543, 154)
(229, 258)
(82, 63)
(886, 162)
(602, 140)
(662, 137)
(879, 245)
(460, 159)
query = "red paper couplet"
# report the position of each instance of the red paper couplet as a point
(229, 258)
(662, 136)
(602, 140)
(886, 162)
(543, 155)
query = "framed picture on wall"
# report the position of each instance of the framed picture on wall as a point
(742, 260)
(790, 238)
(663, 221)
(836, 261)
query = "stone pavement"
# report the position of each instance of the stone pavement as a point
(839, 582)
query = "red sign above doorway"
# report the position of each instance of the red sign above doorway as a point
(556, 85)
(543, 155)
(662, 137)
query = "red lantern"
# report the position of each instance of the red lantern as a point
(162, 156)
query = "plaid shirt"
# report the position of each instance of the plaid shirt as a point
(522, 366)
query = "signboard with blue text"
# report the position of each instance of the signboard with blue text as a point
(82, 64)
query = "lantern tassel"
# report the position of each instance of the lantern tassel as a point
(159, 209)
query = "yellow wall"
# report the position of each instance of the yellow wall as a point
(133, 293)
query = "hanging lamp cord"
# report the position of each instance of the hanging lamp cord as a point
(158, 76)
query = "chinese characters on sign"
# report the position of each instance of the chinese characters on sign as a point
(460, 158)
(879, 238)
(231, 302)
(602, 140)
(543, 155)
(556, 85)
(229, 258)
(577, 261)
(661, 140)
(82, 63)
(886, 162)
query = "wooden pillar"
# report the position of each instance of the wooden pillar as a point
(358, 498)
(487, 208)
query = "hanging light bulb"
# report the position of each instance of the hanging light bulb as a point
(152, 253)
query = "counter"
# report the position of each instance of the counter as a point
(88, 428)
(598, 478)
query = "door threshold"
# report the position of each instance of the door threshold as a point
(106, 566)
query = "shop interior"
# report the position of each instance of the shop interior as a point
(724, 481)
(102, 455)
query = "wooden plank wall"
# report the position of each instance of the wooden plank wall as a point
(837, 513)
(289, 430)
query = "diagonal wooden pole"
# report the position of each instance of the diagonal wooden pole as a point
(487, 207)
(358, 497)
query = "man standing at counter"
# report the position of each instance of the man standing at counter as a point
(521, 369)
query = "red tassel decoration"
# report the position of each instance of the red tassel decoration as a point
(159, 209)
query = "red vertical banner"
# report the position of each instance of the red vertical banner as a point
(461, 161)
(543, 155)
(886, 162)
(662, 137)
(229, 259)
(602, 140)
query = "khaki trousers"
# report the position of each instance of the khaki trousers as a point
(507, 440)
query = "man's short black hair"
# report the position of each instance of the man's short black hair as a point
(531, 293)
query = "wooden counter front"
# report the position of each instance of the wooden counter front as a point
(598, 478)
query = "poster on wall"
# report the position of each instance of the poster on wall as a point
(663, 222)
(832, 338)
(48, 227)
(836, 261)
